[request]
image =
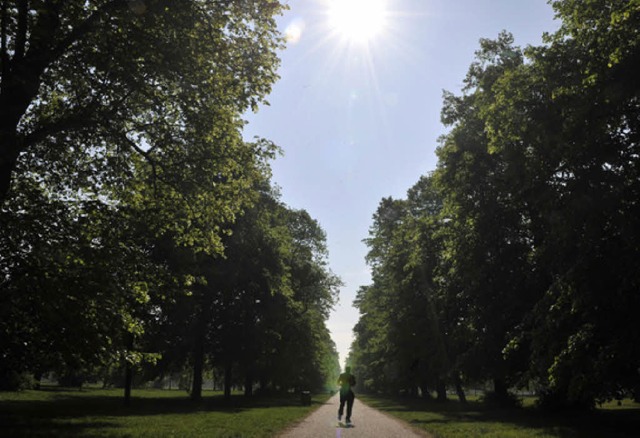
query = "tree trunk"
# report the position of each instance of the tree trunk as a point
(203, 320)
(21, 79)
(263, 383)
(198, 361)
(8, 159)
(128, 383)
(459, 390)
(128, 372)
(227, 381)
(426, 393)
(248, 385)
(500, 388)
(38, 378)
(441, 390)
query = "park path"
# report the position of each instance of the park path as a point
(367, 422)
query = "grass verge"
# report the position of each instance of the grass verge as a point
(152, 413)
(455, 420)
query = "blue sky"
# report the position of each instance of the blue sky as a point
(359, 120)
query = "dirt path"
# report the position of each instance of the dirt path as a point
(367, 422)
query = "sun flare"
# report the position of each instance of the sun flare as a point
(357, 20)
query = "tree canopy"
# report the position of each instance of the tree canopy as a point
(138, 229)
(528, 267)
(111, 79)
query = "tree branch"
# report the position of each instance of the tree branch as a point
(86, 26)
(21, 35)
(147, 157)
(4, 54)
(80, 118)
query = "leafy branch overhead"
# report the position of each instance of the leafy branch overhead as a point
(163, 75)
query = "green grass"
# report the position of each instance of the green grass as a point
(152, 413)
(455, 420)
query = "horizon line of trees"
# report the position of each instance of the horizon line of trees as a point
(517, 261)
(139, 232)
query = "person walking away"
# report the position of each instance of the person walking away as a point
(346, 382)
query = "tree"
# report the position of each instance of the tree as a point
(117, 78)
(531, 264)
(125, 116)
(75, 279)
(590, 216)
(257, 313)
(488, 247)
(401, 324)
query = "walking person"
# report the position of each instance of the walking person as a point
(346, 382)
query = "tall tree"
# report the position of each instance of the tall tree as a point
(590, 218)
(489, 246)
(537, 242)
(126, 116)
(127, 77)
(257, 313)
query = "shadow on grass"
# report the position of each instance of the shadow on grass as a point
(598, 423)
(50, 427)
(69, 413)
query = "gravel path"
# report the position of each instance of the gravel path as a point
(367, 422)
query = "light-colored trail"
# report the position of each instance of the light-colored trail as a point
(367, 422)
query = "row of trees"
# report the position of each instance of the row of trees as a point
(517, 261)
(138, 230)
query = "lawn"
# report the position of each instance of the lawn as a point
(152, 413)
(455, 420)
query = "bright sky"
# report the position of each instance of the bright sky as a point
(357, 108)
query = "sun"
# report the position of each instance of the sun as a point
(357, 20)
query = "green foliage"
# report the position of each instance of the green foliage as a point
(258, 313)
(530, 264)
(115, 79)
(401, 343)
(138, 230)
(59, 251)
